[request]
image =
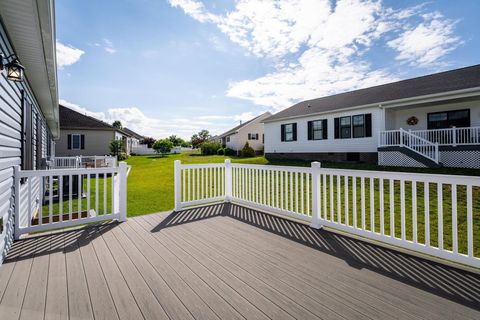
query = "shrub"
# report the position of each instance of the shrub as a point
(117, 147)
(229, 152)
(122, 156)
(163, 146)
(221, 152)
(210, 148)
(247, 151)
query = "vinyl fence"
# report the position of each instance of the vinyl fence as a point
(433, 214)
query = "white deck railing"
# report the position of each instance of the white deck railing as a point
(451, 136)
(438, 215)
(59, 198)
(407, 139)
(82, 162)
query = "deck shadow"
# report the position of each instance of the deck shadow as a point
(451, 283)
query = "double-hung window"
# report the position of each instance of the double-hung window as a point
(358, 126)
(345, 127)
(289, 132)
(76, 141)
(253, 136)
(317, 130)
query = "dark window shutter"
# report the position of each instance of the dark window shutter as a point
(82, 141)
(69, 142)
(248, 136)
(309, 133)
(337, 128)
(28, 132)
(325, 128)
(282, 129)
(39, 142)
(368, 125)
(294, 128)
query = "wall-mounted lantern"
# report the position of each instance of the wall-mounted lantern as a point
(15, 70)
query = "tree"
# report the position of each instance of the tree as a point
(117, 124)
(199, 138)
(163, 146)
(149, 141)
(177, 141)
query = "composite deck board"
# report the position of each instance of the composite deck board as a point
(56, 304)
(102, 302)
(276, 246)
(12, 299)
(123, 298)
(79, 304)
(35, 296)
(167, 298)
(145, 298)
(304, 291)
(224, 262)
(350, 279)
(180, 277)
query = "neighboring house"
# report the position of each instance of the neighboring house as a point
(82, 135)
(29, 120)
(427, 121)
(250, 131)
(133, 140)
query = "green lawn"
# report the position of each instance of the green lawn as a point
(150, 183)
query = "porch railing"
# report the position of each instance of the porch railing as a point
(59, 198)
(451, 136)
(438, 215)
(409, 140)
(82, 162)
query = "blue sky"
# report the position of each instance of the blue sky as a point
(177, 66)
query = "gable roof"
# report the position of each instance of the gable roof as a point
(235, 129)
(71, 119)
(133, 134)
(453, 80)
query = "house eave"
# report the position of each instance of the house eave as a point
(390, 104)
(30, 26)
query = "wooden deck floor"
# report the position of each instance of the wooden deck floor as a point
(224, 262)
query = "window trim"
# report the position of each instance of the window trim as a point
(288, 125)
(323, 130)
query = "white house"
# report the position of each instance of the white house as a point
(250, 131)
(427, 121)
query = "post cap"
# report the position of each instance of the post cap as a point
(228, 161)
(316, 164)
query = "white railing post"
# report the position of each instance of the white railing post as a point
(228, 180)
(16, 232)
(454, 136)
(177, 184)
(401, 137)
(316, 216)
(122, 191)
(436, 153)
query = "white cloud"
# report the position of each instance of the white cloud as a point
(67, 54)
(318, 47)
(108, 46)
(425, 44)
(134, 119)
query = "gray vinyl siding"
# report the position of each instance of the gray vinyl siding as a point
(10, 142)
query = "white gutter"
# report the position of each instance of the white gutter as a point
(464, 93)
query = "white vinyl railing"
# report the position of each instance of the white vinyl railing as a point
(59, 198)
(82, 162)
(407, 139)
(451, 136)
(438, 215)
